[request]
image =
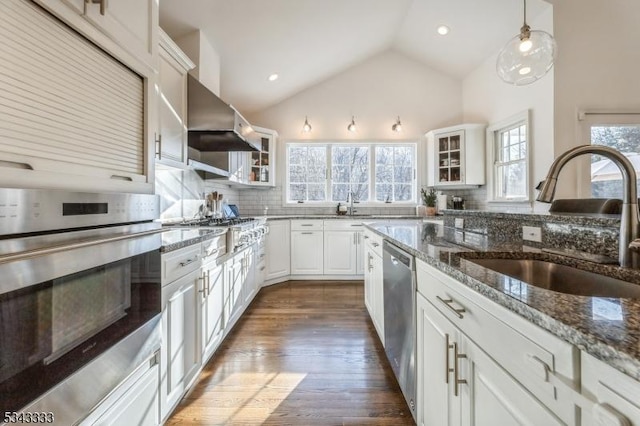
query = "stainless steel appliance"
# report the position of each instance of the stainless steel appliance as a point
(399, 289)
(242, 232)
(79, 298)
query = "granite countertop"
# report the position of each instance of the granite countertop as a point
(606, 328)
(364, 217)
(177, 238)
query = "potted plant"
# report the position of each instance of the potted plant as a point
(430, 199)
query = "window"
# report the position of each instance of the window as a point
(329, 172)
(606, 180)
(307, 173)
(510, 180)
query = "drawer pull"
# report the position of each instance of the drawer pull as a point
(375, 244)
(307, 224)
(188, 261)
(447, 368)
(306, 233)
(366, 237)
(448, 302)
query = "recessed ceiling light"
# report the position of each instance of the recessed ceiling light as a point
(443, 30)
(273, 77)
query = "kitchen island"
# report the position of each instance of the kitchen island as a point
(589, 341)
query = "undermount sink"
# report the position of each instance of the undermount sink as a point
(561, 278)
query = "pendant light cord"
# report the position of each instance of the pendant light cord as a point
(525, 12)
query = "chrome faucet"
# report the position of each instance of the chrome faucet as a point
(350, 197)
(629, 224)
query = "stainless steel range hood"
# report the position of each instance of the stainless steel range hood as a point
(214, 125)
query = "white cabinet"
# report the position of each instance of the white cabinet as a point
(306, 247)
(249, 287)
(615, 396)
(373, 281)
(343, 248)
(171, 145)
(278, 249)
(132, 24)
(506, 364)
(233, 290)
(456, 156)
(262, 163)
(212, 308)
(180, 359)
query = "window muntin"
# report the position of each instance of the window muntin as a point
(510, 167)
(374, 172)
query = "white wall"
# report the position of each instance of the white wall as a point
(487, 99)
(203, 54)
(597, 68)
(375, 92)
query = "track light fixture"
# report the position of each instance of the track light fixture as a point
(397, 127)
(306, 128)
(352, 126)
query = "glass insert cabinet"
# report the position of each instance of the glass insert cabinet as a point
(261, 167)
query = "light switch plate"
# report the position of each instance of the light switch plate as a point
(532, 233)
(459, 222)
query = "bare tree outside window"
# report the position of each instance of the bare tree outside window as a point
(394, 175)
(307, 173)
(349, 172)
(606, 181)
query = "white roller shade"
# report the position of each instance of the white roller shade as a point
(62, 98)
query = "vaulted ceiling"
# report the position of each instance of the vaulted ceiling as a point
(308, 41)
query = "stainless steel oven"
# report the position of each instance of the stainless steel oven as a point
(79, 297)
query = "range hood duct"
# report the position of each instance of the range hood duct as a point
(214, 125)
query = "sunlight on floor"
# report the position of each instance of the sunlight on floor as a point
(256, 395)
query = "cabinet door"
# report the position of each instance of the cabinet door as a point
(340, 252)
(306, 253)
(360, 253)
(180, 355)
(450, 158)
(233, 291)
(262, 163)
(491, 396)
(437, 404)
(132, 24)
(172, 109)
(249, 288)
(278, 249)
(139, 406)
(212, 309)
(378, 294)
(368, 283)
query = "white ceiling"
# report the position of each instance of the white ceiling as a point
(308, 41)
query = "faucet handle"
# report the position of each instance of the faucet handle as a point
(540, 184)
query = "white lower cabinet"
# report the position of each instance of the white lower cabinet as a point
(485, 364)
(180, 359)
(233, 291)
(373, 281)
(212, 308)
(614, 396)
(340, 252)
(307, 252)
(249, 287)
(278, 249)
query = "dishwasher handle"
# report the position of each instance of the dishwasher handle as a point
(398, 256)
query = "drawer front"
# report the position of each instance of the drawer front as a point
(343, 225)
(307, 225)
(214, 248)
(517, 345)
(179, 263)
(373, 242)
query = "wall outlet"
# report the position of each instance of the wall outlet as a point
(532, 233)
(459, 222)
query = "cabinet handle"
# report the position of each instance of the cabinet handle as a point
(447, 368)
(356, 224)
(366, 237)
(188, 261)
(307, 224)
(369, 259)
(205, 289)
(447, 302)
(457, 380)
(306, 233)
(103, 5)
(158, 140)
(375, 244)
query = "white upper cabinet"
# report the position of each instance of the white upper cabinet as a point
(456, 156)
(171, 140)
(71, 116)
(262, 170)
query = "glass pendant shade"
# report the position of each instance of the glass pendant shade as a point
(527, 57)
(306, 127)
(352, 126)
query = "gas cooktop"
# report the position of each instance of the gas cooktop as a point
(218, 221)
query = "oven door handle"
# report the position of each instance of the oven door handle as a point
(57, 249)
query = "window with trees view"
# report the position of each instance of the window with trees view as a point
(606, 180)
(510, 181)
(372, 172)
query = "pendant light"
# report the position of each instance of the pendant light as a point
(527, 57)
(397, 127)
(352, 126)
(306, 128)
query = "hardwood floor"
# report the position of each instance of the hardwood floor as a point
(304, 353)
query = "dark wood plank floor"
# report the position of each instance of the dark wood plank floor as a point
(304, 353)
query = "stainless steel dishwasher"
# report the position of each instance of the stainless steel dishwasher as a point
(400, 318)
